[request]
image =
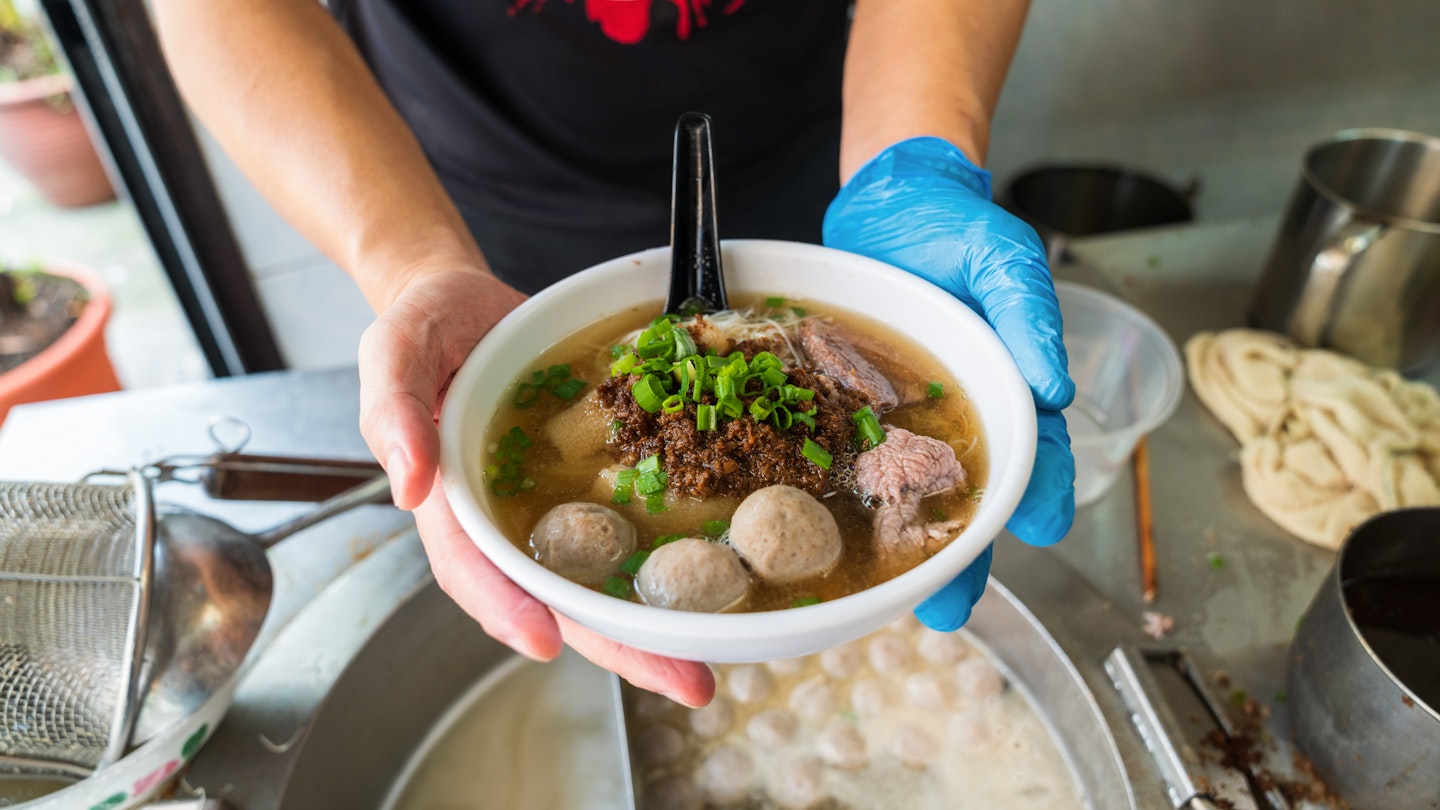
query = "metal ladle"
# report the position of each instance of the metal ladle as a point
(697, 280)
(212, 589)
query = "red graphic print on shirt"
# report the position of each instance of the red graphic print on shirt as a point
(628, 21)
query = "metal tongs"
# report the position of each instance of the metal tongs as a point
(697, 280)
(1161, 685)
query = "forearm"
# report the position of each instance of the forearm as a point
(291, 100)
(925, 67)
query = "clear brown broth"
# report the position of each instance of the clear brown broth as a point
(951, 418)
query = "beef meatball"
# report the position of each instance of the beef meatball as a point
(784, 534)
(725, 775)
(772, 728)
(750, 683)
(582, 541)
(692, 574)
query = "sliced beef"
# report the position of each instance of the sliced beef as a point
(906, 462)
(898, 473)
(898, 528)
(829, 351)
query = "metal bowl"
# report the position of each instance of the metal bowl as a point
(1364, 660)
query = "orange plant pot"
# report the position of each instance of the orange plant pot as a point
(49, 145)
(77, 363)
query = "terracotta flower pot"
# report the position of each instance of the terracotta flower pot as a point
(77, 363)
(48, 143)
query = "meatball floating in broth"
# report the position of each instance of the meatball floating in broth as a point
(582, 541)
(773, 456)
(692, 574)
(784, 534)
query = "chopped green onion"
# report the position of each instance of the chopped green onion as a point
(806, 418)
(684, 343)
(525, 395)
(618, 351)
(651, 483)
(774, 301)
(794, 393)
(868, 432)
(624, 365)
(730, 406)
(632, 563)
(667, 538)
(1216, 561)
(936, 390)
(799, 311)
(805, 601)
(621, 496)
(518, 436)
(558, 372)
(704, 417)
(655, 504)
(782, 417)
(527, 483)
(618, 587)
(673, 404)
(764, 360)
(649, 393)
(568, 389)
(817, 454)
(773, 377)
(649, 463)
(715, 528)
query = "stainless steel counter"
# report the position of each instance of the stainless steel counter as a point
(1235, 617)
(1238, 619)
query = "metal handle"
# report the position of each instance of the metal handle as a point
(373, 491)
(1193, 781)
(1327, 273)
(246, 477)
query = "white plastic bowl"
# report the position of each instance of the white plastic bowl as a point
(1128, 378)
(961, 341)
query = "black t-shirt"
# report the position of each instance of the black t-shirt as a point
(561, 113)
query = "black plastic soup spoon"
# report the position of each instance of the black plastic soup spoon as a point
(697, 281)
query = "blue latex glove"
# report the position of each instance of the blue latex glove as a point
(923, 206)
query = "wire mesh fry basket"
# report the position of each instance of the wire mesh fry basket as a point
(76, 569)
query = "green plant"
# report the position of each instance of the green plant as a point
(25, 51)
(35, 310)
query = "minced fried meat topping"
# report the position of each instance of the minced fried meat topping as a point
(741, 455)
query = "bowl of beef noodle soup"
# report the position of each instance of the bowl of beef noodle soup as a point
(759, 483)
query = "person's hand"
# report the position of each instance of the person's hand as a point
(407, 359)
(921, 205)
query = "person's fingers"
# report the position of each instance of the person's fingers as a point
(949, 608)
(505, 611)
(1047, 509)
(399, 386)
(1018, 299)
(407, 358)
(689, 682)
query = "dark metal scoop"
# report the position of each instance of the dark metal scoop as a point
(697, 281)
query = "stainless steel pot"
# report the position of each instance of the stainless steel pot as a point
(1067, 200)
(1355, 266)
(1365, 661)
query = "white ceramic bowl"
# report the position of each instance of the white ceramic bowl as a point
(961, 340)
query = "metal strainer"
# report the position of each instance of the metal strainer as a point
(76, 569)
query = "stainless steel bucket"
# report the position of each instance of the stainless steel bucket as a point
(1365, 661)
(1355, 265)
